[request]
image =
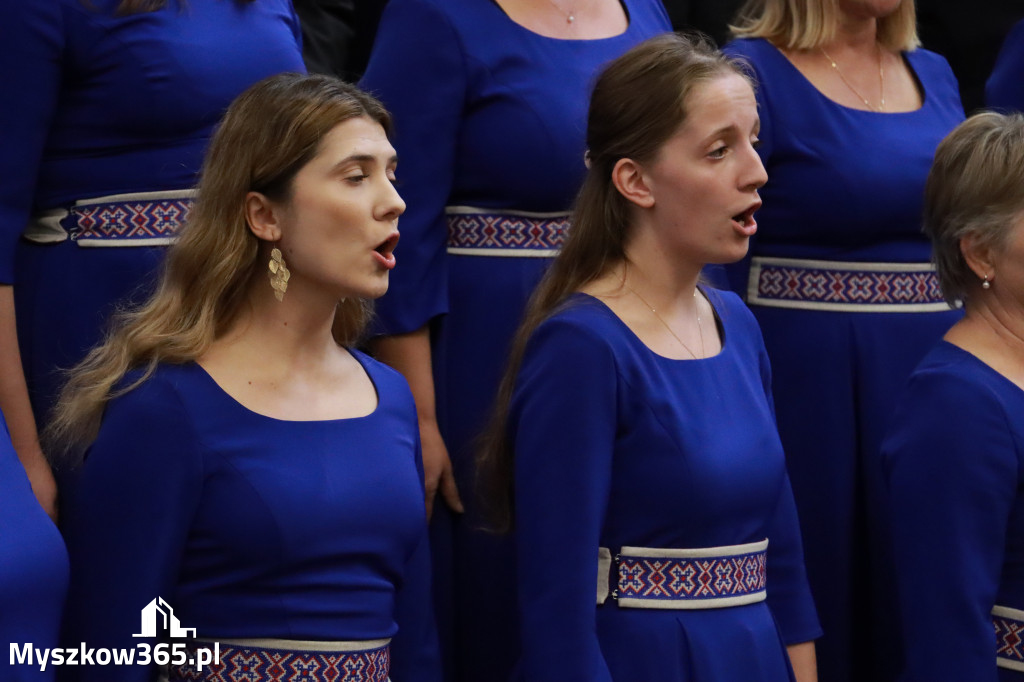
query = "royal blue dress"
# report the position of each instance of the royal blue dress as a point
(954, 460)
(1004, 89)
(487, 114)
(99, 105)
(253, 527)
(618, 446)
(845, 186)
(33, 572)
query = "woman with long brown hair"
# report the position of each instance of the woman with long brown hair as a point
(246, 467)
(634, 449)
(109, 105)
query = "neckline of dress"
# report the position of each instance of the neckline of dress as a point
(540, 36)
(719, 326)
(212, 384)
(925, 99)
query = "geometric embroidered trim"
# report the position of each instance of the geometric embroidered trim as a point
(129, 219)
(1009, 628)
(481, 232)
(281, 665)
(692, 579)
(849, 287)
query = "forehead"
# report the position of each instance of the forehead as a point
(720, 102)
(360, 136)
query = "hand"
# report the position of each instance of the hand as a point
(437, 469)
(43, 484)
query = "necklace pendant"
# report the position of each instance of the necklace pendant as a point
(569, 19)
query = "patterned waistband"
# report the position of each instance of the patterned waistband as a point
(274, 660)
(484, 232)
(707, 578)
(845, 287)
(139, 219)
(1009, 626)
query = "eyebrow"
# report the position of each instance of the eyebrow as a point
(728, 129)
(364, 158)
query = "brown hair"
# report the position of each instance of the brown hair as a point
(975, 187)
(267, 135)
(810, 24)
(638, 103)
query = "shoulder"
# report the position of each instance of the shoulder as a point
(954, 396)
(752, 50)
(932, 68)
(580, 319)
(952, 379)
(580, 335)
(391, 386)
(435, 12)
(735, 316)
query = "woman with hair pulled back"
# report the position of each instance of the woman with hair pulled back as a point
(245, 465)
(634, 447)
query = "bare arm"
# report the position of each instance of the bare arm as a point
(804, 661)
(410, 355)
(18, 411)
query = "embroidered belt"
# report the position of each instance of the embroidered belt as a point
(845, 287)
(1009, 626)
(276, 660)
(139, 219)
(484, 232)
(706, 578)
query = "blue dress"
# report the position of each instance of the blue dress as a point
(253, 527)
(954, 460)
(1004, 89)
(491, 115)
(33, 571)
(101, 105)
(617, 446)
(844, 186)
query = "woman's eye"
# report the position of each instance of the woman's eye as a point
(356, 179)
(718, 152)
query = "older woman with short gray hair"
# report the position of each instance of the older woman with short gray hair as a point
(954, 457)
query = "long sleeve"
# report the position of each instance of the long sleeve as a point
(417, 70)
(133, 509)
(415, 656)
(30, 69)
(953, 474)
(563, 425)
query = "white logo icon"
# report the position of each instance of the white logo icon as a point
(159, 616)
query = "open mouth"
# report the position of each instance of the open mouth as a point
(387, 247)
(385, 250)
(745, 220)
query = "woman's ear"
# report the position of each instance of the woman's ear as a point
(979, 257)
(628, 178)
(263, 217)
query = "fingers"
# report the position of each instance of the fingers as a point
(449, 491)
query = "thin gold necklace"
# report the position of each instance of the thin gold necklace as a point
(881, 81)
(700, 328)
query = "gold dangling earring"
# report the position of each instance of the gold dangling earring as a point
(279, 274)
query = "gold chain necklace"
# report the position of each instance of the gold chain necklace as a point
(700, 328)
(881, 81)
